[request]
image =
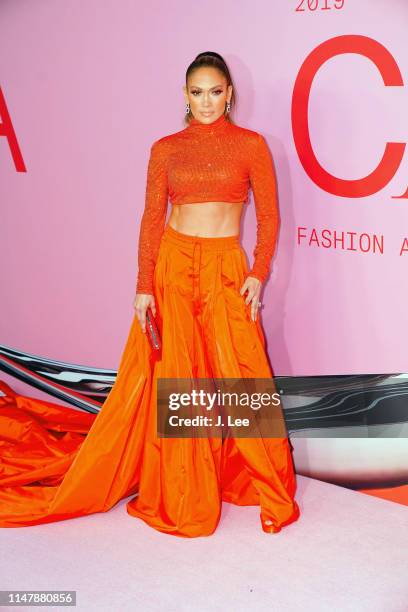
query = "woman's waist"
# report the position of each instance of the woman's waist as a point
(207, 219)
(188, 240)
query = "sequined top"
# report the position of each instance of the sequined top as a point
(208, 162)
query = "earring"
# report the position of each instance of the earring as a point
(228, 107)
(187, 108)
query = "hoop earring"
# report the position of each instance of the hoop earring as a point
(188, 108)
(228, 107)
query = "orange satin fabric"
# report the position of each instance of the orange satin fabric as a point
(177, 484)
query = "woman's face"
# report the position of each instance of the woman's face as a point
(207, 93)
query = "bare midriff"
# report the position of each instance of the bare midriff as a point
(207, 219)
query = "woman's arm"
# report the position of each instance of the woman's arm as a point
(154, 217)
(263, 183)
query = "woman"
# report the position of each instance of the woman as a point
(194, 276)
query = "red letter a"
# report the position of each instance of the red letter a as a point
(7, 130)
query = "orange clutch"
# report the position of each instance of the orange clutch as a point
(152, 330)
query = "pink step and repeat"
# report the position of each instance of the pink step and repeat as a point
(87, 86)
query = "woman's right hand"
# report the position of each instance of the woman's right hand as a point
(141, 303)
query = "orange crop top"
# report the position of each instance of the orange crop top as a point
(208, 162)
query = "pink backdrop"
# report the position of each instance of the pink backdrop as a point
(90, 85)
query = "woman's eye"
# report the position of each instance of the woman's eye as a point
(217, 91)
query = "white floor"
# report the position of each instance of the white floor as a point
(347, 552)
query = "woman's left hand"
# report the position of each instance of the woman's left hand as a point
(253, 286)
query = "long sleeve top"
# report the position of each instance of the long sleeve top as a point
(208, 162)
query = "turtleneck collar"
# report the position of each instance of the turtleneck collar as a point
(197, 126)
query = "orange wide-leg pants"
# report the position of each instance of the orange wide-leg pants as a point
(176, 485)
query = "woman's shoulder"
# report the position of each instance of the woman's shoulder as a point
(165, 144)
(247, 135)
(244, 131)
(171, 138)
